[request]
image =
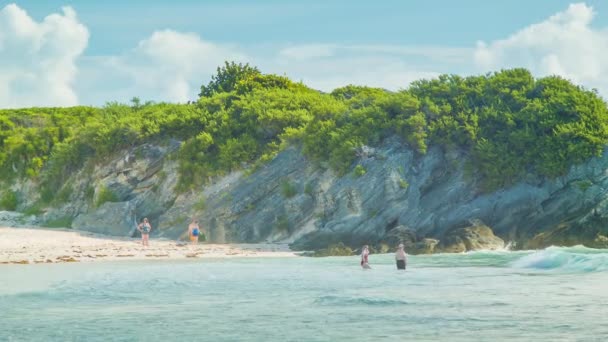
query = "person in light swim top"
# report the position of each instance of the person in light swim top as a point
(401, 257)
(145, 228)
(194, 231)
(365, 257)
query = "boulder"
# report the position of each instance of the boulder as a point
(425, 246)
(112, 218)
(401, 234)
(476, 237)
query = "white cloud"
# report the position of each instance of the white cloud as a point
(327, 66)
(330, 72)
(37, 59)
(308, 51)
(565, 44)
(41, 63)
(171, 66)
(167, 66)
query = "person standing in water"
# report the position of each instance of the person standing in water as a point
(194, 231)
(400, 257)
(145, 228)
(364, 257)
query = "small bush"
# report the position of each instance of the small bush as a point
(47, 194)
(105, 195)
(583, 185)
(35, 209)
(89, 192)
(9, 200)
(201, 204)
(359, 171)
(283, 223)
(63, 196)
(309, 189)
(61, 222)
(288, 190)
(403, 184)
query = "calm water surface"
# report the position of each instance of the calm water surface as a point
(559, 294)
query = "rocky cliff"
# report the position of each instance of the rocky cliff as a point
(431, 202)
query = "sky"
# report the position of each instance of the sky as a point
(65, 53)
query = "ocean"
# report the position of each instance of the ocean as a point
(557, 294)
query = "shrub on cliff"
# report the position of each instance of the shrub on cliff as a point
(9, 200)
(508, 123)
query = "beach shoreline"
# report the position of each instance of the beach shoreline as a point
(47, 245)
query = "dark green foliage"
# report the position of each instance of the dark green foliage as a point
(288, 189)
(309, 189)
(61, 222)
(63, 196)
(105, 195)
(9, 200)
(89, 192)
(583, 185)
(227, 78)
(507, 123)
(201, 204)
(283, 223)
(36, 209)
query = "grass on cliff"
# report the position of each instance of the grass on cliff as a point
(8, 200)
(508, 123)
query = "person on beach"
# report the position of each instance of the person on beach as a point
(365, 257)
(194, 231)
(145, 228)
(400, 257)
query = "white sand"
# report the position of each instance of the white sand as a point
(39, 245)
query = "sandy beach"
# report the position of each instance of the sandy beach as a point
(39, 245)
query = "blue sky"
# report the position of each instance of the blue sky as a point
(117, 24)
(164, 50)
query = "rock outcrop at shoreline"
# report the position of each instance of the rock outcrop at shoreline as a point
(427, 202)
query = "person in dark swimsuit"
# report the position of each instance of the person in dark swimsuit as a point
(145, 228)
(401, 257)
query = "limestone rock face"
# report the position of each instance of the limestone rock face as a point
(15, 219)
(425, 201)
(111, 219)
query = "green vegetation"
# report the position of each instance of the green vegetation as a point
(201, 204)
(283, 223)
(105, 195)
(508, 123)
(359, 171)
(35, 209)
(403, 184)
(288, 189)
(9, 200)
(309, 189)
(61, 222)
(63, 196)
(338, 249)
(583, 185)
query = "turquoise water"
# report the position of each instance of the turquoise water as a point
(559, 294)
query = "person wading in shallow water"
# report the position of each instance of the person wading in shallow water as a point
(364, 257)
(145, 228)
(400, 257)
